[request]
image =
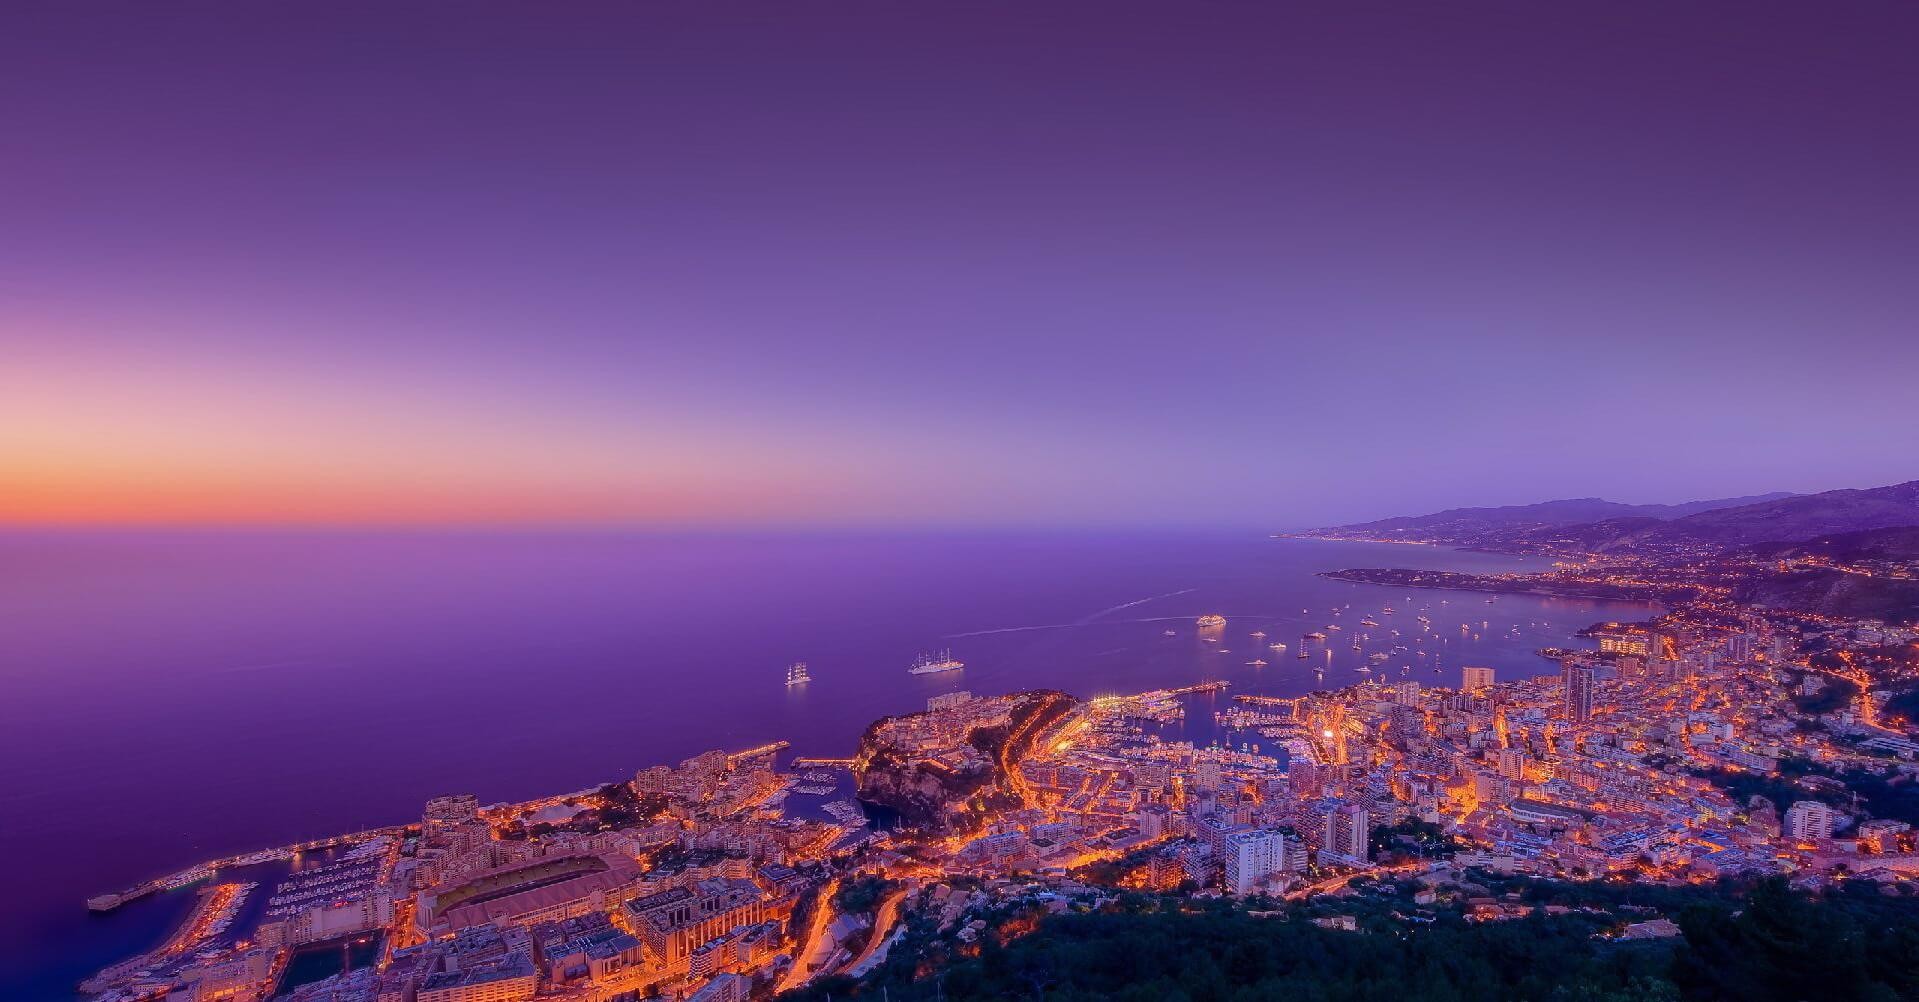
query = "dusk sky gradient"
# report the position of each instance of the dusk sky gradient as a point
(961, 264)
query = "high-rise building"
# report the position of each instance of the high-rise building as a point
(1152, 820)
(1628, 639)
(1512, 763)
(1253, 856)
(1576, 697)
(450, 811)
(1213, 830)
(1473, 678)
(1302, 778)
(1808, 821)
(948, 701)
(1155, 776)
(1348, 828)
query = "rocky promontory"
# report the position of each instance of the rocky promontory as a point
(942, 770)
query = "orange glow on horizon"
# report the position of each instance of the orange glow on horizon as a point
(231, 446)
(83, 499)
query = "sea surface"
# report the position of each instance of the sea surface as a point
(174, 697)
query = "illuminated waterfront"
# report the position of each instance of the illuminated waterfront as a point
(302, 674)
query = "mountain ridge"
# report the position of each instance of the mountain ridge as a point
(1725, 523)
(1463, 524)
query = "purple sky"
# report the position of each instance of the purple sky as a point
(1261, 264)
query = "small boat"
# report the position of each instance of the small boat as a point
(1171, 633)
(1257, 663)
(1259, 634)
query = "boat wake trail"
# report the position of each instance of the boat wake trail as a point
(1080, 622)
(1010, 629)
(269, 666)
(1137, 602)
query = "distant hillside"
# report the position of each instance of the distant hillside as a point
(1485, 526)
(1799, 519)
(1835, 593)
(1802, 518)
(1897, 543)
(1597, 525)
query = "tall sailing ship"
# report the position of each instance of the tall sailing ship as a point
(796, 674)
(930, 663)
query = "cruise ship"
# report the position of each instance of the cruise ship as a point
(796, 674)
(928, 663)
(1211, 621)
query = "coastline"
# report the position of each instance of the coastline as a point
(1452, 581)
(856, 655)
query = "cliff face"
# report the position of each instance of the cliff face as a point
(924, 794)
(941, 774)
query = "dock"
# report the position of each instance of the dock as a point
(752, 753)
(203, 871)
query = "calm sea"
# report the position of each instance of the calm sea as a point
(175, 697)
